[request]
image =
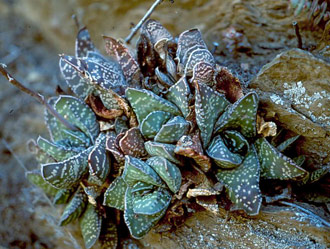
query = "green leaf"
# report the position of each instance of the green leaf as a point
(145, 102)
(142, 188)
(236, 142)
(132, 143)
(153, 122)
(275, 165)
(209, 104)
(138, 224)
(120, 125)
(161, 149)
(35, 178)
(98, 162)
(114, 196)
(171, 132)
(75, 207)
(283, 146)
(57, 150)
(151, 203)
(63, 195)
(78, 114)
(179, 95)
(242, 184)
(66, 173)
(90, 225)
(240, 116)
(318, 174)
(78, 85)
(84, 43)
(221, 155)
(167, 171)
(136, 170)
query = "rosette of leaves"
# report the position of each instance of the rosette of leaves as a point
(228, 133)
(74, 166)
(144, 192)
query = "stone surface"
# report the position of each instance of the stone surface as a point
(274, 227)
(295, 87)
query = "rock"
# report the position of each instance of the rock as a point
(274, 227)
(295, 86)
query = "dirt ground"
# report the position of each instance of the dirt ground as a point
(27, 219)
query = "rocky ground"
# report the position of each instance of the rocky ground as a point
(250, 34)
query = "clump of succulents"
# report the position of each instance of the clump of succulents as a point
(139, 123)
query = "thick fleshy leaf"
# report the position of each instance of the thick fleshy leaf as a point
(169, 173)
(204, 72)
(84, 43)
(52, 123)
(155, 31)
(75, 207)
(236, 142)
(275, 165)
(151, 203)
(132, 143)
(138, 224)
(171, 132)
(209, 104)
(90, 225)
(189, 52)
(142, 188)
(221, 155)
(191, 146)
(240, 116)
(63, 195)
(242, 184)
(145, 102)
(283, 146)
(109, 235)
(121, 125)
(99, 71)
(57, 150)
(318, 174)
(111, 146)
(98, 161)
(66, 173)
(79, 114)
(179, 95)
(163, 150)
(153, 122)
(115, 194)
(188, 39)
(136, 170)
(127, 62)
(198, 55)
(78, 85)
(35, 178)
(41, 156)
(163, 78)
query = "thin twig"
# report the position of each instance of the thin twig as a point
(76, 21)
(296, 28)
(326, 223)
(40, 98)
(144, 18)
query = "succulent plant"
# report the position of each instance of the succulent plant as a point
(149, 120)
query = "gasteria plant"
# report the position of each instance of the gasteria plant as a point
(137, 125)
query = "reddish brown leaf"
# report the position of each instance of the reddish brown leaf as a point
(132, 143)
(229, 85)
